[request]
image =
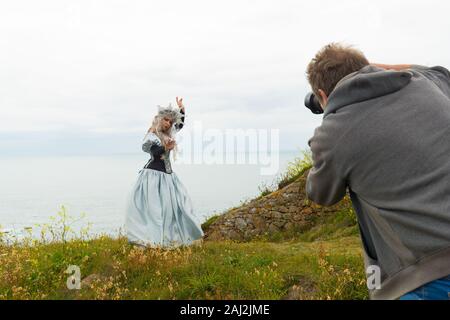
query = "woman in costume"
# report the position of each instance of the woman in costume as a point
(160, 211)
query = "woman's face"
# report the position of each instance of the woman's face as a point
(166, 123)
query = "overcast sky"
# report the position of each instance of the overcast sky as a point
(85, 76)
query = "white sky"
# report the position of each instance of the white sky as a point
(90, 69)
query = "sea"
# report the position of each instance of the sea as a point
(93, 190)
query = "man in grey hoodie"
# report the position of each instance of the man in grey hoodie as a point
(385, 136)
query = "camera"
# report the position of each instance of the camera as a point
(313, 104)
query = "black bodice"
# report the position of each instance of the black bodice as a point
(155, 162)
(159, 156)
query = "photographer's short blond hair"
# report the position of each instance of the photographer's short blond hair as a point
(332, 63)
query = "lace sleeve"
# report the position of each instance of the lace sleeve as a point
(152, 145)
(180, 124)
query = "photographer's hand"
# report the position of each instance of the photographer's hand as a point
(397, 67)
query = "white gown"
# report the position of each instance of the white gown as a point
(160, 211)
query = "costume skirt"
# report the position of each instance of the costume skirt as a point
(160, 212)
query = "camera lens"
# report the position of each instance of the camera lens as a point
(313, 104)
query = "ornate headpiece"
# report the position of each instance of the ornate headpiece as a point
(170, 112)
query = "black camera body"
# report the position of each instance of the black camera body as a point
(313, 104)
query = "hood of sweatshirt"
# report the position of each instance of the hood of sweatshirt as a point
(368, 83)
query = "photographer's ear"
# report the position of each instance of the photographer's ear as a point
(323, 99)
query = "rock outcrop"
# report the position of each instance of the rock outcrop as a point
(278, 211)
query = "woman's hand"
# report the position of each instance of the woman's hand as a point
(170, 144)
(180, 103)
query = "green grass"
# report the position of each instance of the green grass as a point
(332, 226)
(294, 170)
(323, 262)
(213, 270)
(205, 225)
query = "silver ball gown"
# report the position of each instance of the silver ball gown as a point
(160, 211)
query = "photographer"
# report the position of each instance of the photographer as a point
(385, 136)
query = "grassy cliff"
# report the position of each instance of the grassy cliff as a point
(321, 262)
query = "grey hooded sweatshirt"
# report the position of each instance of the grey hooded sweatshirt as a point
(385, 136)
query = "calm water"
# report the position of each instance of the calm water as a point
(32, 189)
